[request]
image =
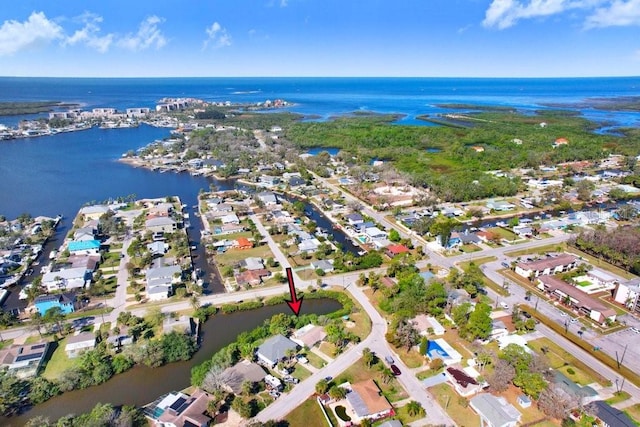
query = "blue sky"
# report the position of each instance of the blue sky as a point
(457, 38)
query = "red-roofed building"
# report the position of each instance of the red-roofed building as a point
(393, 250)
(251, 277)
(560, 141)
(243, 243)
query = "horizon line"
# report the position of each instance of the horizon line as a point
(322, 77)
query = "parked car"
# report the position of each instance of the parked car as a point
(636, 330)
(505, 265)
(504, 305)
(395, 370)
(389, 360)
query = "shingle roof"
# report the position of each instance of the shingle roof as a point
(275, 348)
(498, 412)
(611, 416)
(366, 399)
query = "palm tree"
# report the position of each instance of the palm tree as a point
(387, 375)
(37, 322)
(194, 302)
(415, 408)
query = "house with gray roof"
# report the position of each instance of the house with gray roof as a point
(610, 416)
(162, 223)
(160, 281)
(78, 344)
(323, 265)
(274, 349)
(495, 411)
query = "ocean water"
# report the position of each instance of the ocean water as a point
(326, 97)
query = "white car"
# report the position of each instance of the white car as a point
(504, 305)
(636, 330)
(563, 314)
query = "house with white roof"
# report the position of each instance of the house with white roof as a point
(160, 281)
(230, 219)
(374, 233)
(68, 278)
(495, 411)
(161, 224)
(78, 344)
(94, 212)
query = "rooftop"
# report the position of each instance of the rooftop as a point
(549, 262)
(366, 399)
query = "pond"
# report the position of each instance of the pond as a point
(141, 385)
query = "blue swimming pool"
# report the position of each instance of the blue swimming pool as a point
(435, 351)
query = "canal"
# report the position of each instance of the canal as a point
(141, 385)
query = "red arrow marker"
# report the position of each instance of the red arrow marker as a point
(295, 303)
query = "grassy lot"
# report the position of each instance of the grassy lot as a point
(362, 326)
(5, 343)
(478, 261)
(403, 416)
(562, 360)
(411, 358)
(596, 262)
(503, 233)
(536, 250)
(58, 362)
(633, 412)
(308, 274)
(357, 372)
(328, 349)
(470, 247)
(308, 414)
(315, 360)
(530, 414)
(301, 372)
(454, 340)
(618, 397)
(457, 407)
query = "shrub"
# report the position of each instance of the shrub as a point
(341, 412)
(570, 371)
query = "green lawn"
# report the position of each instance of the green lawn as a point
(233, 256)
(309, 414)
(315, 360)
(403, 416)
(584, 283)
(58, 361)
(357, 372)
(618, 397)
(457, 407)
(470, 247)
(634, 413)
(503, 233)
(301, 372)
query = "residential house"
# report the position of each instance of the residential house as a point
(252, 263)
(230, 219)
(161, 224)
(368, 402)
(160, 210)
(24, 360)
(282, 217)
(267, 198)
(545, 266)
(451, 211)
(179, 409)
(309, 335)
(467, 238)
(310, 245)
(427, 325)
(593, 217)
(88, 262)
(498, 330)
(160, 281)
(394, 250)
(602, 278)
(454, 241)
(583, 393)
(65, 301)
(93, 212)
(66, 278)
(500, 205)
(243, 243)
(486, 236)
(591, 306)
(495, 411)
(234, 376)
(222, 207)
(354, 219)
(78, 344)
(274, 349)
(560, 142)
(157, 248)
(213, 164)
(228, 229)
(610, 416)
(84, 233)
(269, 181)
(374, 233)
(84, 247)
(323, 265)
(296, 181)
(523, 231)
(463, 383)
(251, 277)
(273, 382)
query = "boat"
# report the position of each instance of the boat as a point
(53, 254)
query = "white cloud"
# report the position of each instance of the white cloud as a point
(618, 13)
(36, 31)
(217, 36)
(89, 34)
(506, 13)
(148, 35)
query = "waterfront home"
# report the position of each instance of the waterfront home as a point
(495, 411)
(25, 360)
(84, 247)
(296, 181)
(323, 265)
(228, 229)
(545, 266)
(179, 409)
(354, 219)
(523, 231)
(119, 340)
(79, 343)
(234, 376)
(84, 233)
(213, 164)
(282, 217)
(368, 402)
(451, 211)
(500, 205)
(162, 209)
(157, 248)
(160, 281)
(375, 233)
(65, 301)
(268, 181)
(309, 335)
(66, 278)
(161, 224)
(267, 198)
(275, 349)
(591, 306)
(182, 324)
(230, 219)
(243, 243)
(93, 212)
(593, 217)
